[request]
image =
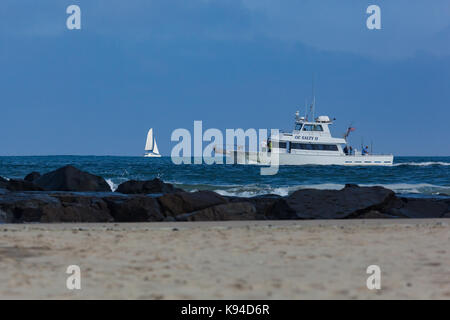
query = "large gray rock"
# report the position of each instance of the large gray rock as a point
(331, 204)
(174, 204)
(69, 178)
(146, 187)
(226, 211)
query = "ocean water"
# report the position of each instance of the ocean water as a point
(410, 176)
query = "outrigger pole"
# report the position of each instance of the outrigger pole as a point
(313, 105)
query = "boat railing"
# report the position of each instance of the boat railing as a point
(368, 154)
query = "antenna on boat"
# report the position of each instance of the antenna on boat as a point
(306, 109)
(313, 104)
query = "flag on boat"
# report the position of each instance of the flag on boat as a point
(350, 129)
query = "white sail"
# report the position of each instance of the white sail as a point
(155, 147)
(149, 143)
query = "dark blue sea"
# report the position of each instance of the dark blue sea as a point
(410, 176)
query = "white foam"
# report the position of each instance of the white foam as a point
(323, 186)
(422, 164)
(112, 185)
(253, 190)
(248, 191)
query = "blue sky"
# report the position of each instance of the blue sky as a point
(233, 64)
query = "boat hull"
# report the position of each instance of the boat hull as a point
(264, 158)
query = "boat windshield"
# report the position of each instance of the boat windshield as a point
(298, 127)
(310, 127)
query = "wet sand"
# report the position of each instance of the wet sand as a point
(227, 260)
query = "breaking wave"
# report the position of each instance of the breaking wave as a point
(419, 188)
(253, 190)
(400, 188)
(410, 176)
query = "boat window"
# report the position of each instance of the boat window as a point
(281, 145)
(311, 127)
(298, 126)
(314, 146)
(330, 147)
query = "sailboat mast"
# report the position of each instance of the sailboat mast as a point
(149, 142)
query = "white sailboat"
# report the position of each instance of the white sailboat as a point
(151, 148)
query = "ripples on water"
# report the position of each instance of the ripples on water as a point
(414, 176)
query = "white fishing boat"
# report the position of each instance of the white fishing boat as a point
(310, 143)
(151, 148)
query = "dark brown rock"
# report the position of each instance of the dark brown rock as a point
(18, 204)
(3, 182)
(174, 204)
(69, 178)
(416, 208)
(263, 203)
(134, 209)
(22, 185)
(26, 207)
(373, 214)
(330, 204)
(32, 176)
(146, 187)
(40, 207)
(3, 217)
(226, 211)
(77, 208)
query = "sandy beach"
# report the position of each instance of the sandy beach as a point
(227, 260)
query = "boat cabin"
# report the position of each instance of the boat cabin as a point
(307, 137)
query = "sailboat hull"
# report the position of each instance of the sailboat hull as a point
(152, 155)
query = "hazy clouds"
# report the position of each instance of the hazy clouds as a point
(408, 26)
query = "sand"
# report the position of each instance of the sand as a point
(227, 260)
